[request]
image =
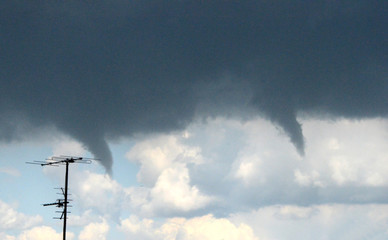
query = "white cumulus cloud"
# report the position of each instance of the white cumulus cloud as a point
(11, 219)
(43, 233)
(173, 190)
(200, 228)
(95, 231)
(326, 221)
(157, 153)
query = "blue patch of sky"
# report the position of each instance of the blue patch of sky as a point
(31, 186)
(124, 171)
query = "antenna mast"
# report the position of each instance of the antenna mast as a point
(63, 203)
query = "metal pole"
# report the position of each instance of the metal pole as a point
(65, 210)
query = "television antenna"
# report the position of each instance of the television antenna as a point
(62, 203)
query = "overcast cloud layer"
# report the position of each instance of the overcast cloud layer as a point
(103, 70)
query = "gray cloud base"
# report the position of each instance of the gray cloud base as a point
(102, 70)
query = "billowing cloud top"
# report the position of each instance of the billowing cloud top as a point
(106, 69)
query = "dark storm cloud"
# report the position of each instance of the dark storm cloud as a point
(104, 69)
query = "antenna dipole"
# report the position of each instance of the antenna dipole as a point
(63, 203)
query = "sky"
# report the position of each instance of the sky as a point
(211, 119)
